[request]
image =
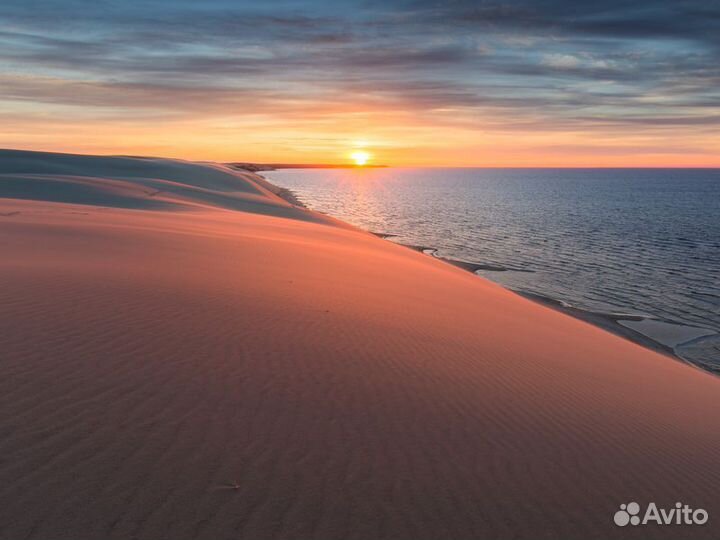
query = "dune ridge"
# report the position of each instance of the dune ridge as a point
(186, 355)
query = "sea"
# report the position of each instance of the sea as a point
(642, 245)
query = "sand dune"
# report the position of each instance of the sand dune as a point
(187, 356)
(140, 183)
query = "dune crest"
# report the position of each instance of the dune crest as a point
(140, 183)
(188, 356)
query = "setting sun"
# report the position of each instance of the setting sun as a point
(360, 157)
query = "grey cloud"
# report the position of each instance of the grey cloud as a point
(414, 56)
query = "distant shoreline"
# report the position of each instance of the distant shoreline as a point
(260, 167)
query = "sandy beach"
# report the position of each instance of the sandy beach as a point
(187, 355)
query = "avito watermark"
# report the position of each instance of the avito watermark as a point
(681, 514)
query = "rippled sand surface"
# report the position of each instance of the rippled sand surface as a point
(187, 356)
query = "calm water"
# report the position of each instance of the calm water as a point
(632, 241)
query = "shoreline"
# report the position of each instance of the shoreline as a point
(610, 322)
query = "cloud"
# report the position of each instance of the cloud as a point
(493, 65)
(562, 61)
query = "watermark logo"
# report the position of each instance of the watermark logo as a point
(628, 513)
(681, 514)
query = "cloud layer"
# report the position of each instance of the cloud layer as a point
(603, 77)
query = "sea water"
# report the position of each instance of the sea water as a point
(634, 241)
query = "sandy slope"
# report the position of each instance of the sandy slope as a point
(185, 355)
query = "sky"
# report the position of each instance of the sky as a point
(413, 82)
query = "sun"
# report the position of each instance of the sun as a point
(360, 157)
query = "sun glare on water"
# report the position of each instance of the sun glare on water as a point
(360, 157)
